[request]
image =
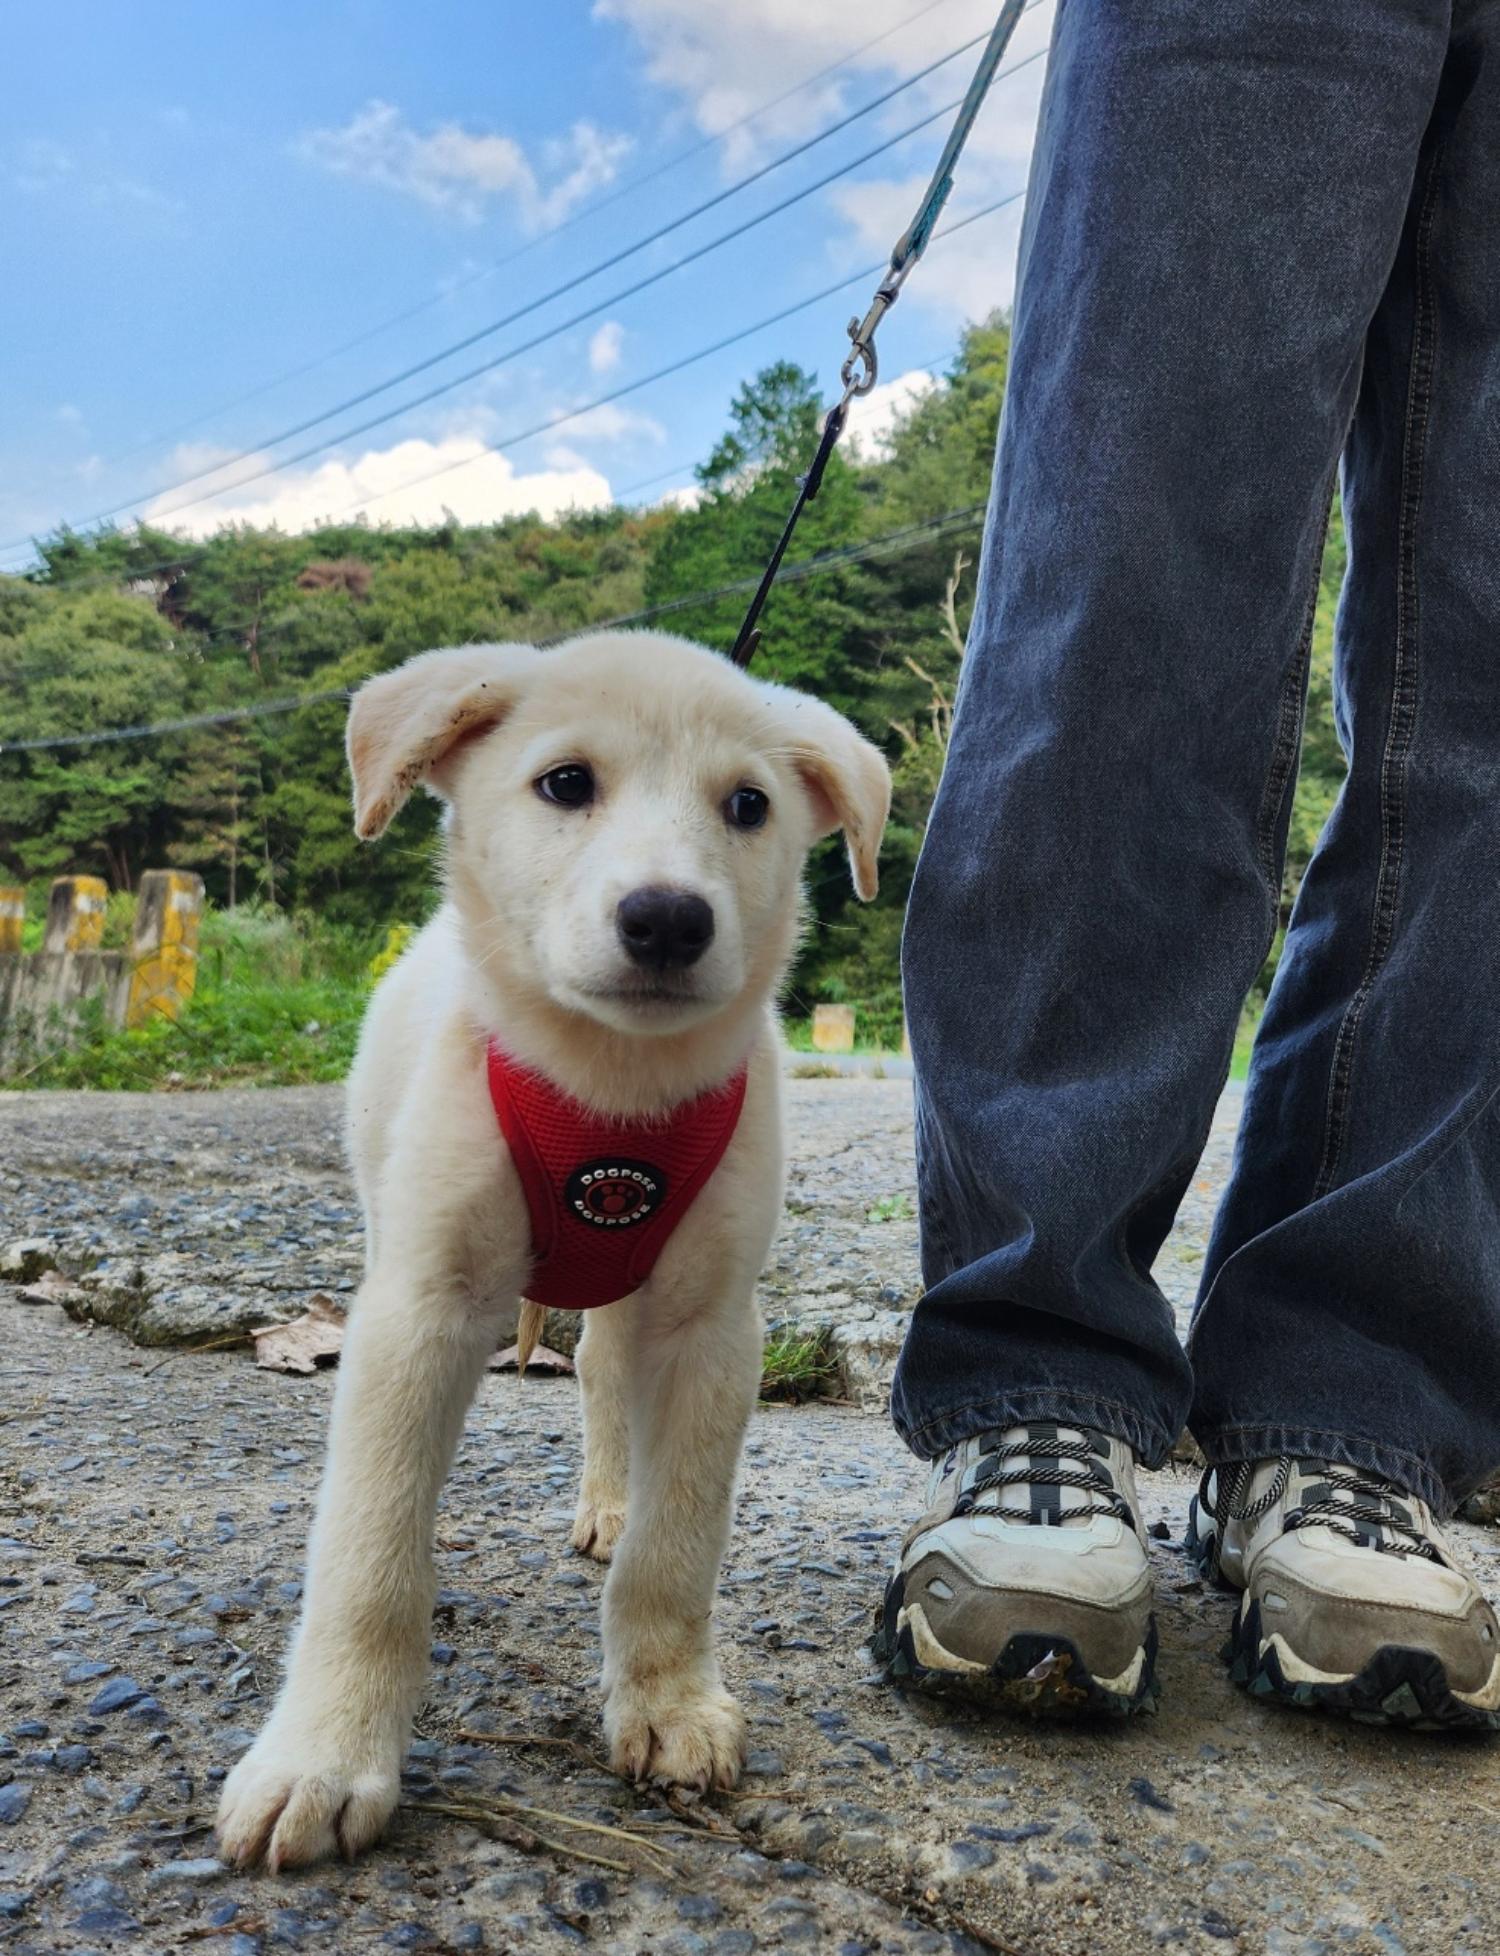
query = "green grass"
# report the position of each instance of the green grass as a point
(278, 1003)
(798, 1365)
(891, 1208)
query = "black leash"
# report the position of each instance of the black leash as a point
(860, 368)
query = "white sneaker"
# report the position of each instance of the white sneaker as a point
(1027, 1580)
(1352, 1600)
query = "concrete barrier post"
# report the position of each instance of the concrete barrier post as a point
(833, 1029)
(164, 949)
(75, 914)
(12, 917)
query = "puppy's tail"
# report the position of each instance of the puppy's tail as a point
(528, 1331)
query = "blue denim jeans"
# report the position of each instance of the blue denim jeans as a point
(1259, 237)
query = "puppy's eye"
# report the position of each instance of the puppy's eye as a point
(747, 808)
(570, 787)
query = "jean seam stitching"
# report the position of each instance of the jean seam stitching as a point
(1401, 732)
(1134, 1419)
(1291, 709)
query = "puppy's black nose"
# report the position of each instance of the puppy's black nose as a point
(664, 930)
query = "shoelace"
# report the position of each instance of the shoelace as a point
(1094, 1480)
(1372, 1500)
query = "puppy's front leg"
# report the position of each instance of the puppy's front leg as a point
(692, 1385)
(325, 1771)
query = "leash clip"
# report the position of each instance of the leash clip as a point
(862, 368)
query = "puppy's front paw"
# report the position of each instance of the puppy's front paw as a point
(296, 1797)
(675, 1735)
(596, 1528)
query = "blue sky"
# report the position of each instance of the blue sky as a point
(199, 200)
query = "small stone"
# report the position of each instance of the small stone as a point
(73, 1758)
(193, 1872)
(116, 1695)
(14, 1800)
(86, 1672)
(443, 1653)
(24, 1260)
(108, 1922)
(699, 1908)
(29, 1728)
(1146, 1795)
(970, 1856)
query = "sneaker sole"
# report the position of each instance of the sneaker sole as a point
(1037, 1674)
(1399, 1686)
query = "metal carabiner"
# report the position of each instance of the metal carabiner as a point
(862, 367)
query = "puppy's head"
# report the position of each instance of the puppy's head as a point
(628, 815)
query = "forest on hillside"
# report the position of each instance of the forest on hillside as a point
(140, 626)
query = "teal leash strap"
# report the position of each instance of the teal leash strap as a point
(913, 241)
(859, 370)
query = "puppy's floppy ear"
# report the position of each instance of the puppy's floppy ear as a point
(846, 779)
(404, 724)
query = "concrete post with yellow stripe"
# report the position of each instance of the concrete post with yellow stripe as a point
(75, 914)
(164, 948)
(12, 917)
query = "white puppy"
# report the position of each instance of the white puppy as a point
(627, 821)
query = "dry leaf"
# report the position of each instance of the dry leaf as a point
(543, 1359)
(52, 1287)
(304, 1344)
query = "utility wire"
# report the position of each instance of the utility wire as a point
(577, 319)
(579, 216)
(796, 573)
(588, 407)
(673, 367)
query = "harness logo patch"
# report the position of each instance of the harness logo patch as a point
(614, 1194)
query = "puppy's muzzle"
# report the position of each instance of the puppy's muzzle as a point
(664, 930)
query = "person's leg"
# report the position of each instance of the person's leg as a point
(1217, 198)
(1351, 1306)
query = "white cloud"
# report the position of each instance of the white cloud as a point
(42, 164)
(461, 171)
(43, 168)
(964, 277)
(606, 346)
(873, 420)
(687, 497)
(476, 486)
(70, 415)
(612, 423)
(726, 61)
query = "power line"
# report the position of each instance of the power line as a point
(588, 407)
(673, 367)
(628, 188)
(790, 574)
(577, 319)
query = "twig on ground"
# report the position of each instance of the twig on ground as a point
(208, 1345)
(496, 1818)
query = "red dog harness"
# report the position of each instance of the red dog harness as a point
(604, 1194)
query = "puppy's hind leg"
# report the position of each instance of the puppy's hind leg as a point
(693, 1384)
(602, 1364)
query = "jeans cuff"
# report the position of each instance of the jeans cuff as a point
(1223, 1446)
(1149, 1438)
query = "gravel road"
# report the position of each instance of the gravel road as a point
(153, 1509)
